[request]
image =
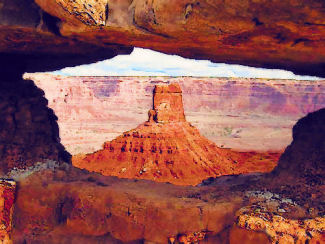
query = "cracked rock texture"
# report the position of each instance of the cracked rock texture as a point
(279, 218)
(48, 34)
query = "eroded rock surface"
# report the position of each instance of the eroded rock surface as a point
(31, 39)
(302, 165)
(49, 34)
(66, 204)
(7, 198)
(29, 132)
(53, 205)
(75, 206)
(169, 149)
(168, 104)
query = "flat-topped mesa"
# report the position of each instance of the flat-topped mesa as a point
(167, 104)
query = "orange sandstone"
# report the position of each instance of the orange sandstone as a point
(167, 148)
(168, 104)
(7, 198)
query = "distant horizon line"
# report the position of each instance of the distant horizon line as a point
(166, 76)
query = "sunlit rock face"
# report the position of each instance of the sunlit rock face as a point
(167, 148)
(243, 114)
(168, 104)
(68, 204)
(48, 34)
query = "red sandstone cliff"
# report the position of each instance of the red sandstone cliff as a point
(169, 149)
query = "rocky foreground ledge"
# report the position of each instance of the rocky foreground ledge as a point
(69, 205)
(62, 204)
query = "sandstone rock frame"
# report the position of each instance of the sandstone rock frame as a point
(66, 204)
(50, 34)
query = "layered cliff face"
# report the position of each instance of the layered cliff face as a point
(169, 149)
(48, 34)
(242, 114)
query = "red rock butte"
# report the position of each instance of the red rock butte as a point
(167, 148)
(168, 104)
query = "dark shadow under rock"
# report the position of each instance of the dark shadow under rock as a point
(29, 132)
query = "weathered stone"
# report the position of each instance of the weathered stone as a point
(24, 141)
(68, 204)
(94, 206)
(7, 198)
(56, 33)
(56, 205)
(168, 104)
(169, 149)
(305, 157)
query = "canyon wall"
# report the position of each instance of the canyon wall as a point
(243, 114)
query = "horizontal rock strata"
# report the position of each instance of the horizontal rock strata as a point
(231, 112)
(167, 148)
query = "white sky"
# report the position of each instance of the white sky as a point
(145, 62)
